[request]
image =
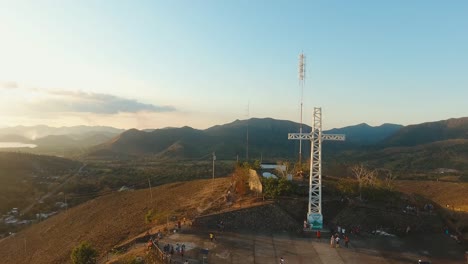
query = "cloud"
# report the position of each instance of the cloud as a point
(8, 85)
(81, 102)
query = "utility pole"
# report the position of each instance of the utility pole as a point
(151, 192)
(214, 158)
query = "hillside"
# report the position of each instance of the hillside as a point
(116, 219)
(443, 193)
(363, 134)
(416, 148)
(107, 221)
(454, 128)
(449, 196)
(451, 154)
(23, 177)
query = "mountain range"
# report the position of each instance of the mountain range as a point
(265, 138)
(422, 146)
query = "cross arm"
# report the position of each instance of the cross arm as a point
(299, 136)
(334, 137)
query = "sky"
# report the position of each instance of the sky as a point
(153, 64)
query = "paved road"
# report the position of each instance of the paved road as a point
(247, 248)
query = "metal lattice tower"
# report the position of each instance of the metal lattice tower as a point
(301, 69)
(314, 215)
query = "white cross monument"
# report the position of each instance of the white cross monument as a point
(314, 215)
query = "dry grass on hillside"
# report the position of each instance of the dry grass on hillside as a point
(106, 221)
(454, 194)
(450, 195)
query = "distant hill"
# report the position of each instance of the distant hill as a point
(267, 139)
(423, 147)
(34, 132)
(363, 134)
(14, 138)
(412, 135)
(62, 141)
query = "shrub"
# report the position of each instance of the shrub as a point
(347, 187)
(273, 188)
(149, 216)
(84, 253)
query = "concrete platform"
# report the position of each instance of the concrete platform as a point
(246, 248)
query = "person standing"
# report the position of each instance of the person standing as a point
(346, 240)
(332, 241)
(337, 241)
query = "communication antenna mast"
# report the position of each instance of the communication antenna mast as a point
(247, 148)
(302, 66)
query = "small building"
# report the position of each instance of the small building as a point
(273, 167)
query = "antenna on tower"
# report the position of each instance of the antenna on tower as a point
(301, 69)
(247, 148)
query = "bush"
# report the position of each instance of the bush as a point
(273, 188)
(377, 194)
(149, 216)
(84, 253)
(347, 187)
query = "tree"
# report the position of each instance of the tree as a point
(364, 176)
(256, 165)
(388, 178)
(84, 253)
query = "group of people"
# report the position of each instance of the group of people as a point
(170, 250)
(335, 240)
